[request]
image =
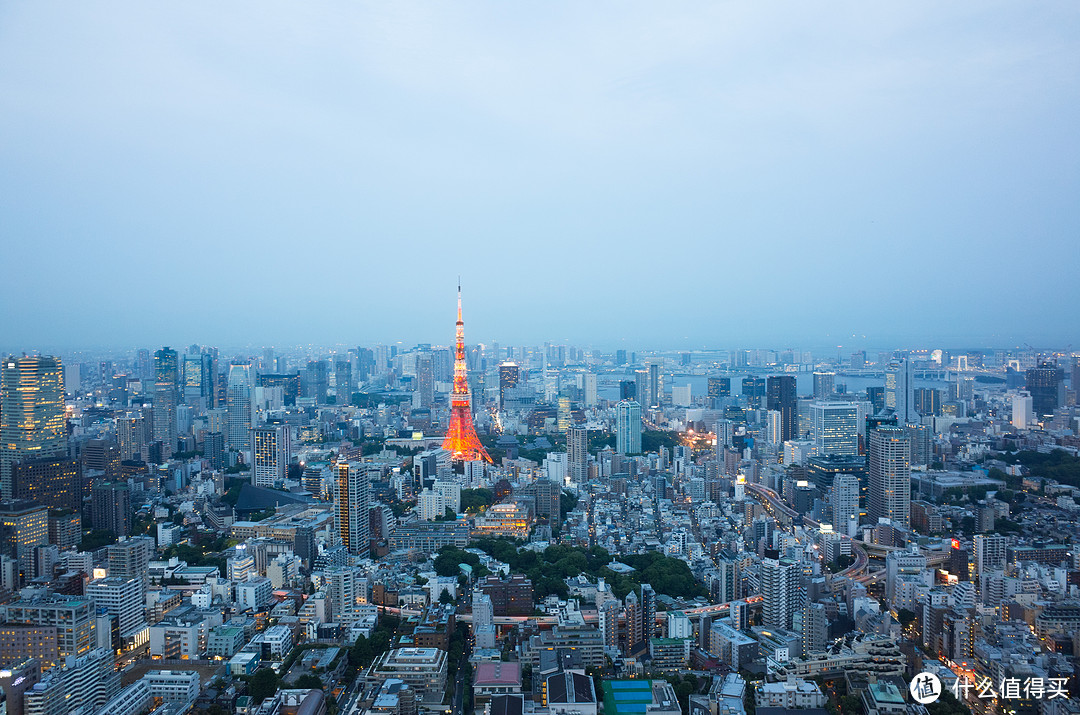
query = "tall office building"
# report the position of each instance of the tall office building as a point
(240, 407)
(271, 452)
(425, 380)
(588, 387)
(844, 500)
(1046, 385)
(110, 507)
(24, 525)
(628, 427)
(824, 385)
(835, 427)
(900, 390)
(509, 376)
(753, 391)
(890, 476)
(718, 388)
(122, 599)
(781, 396)
(53, 482)
(577, 448)
(352, 499)
(780, 591)
(773, 427)
(927, 401)
(344, 382)
(1023, 411)
(33, 424)
(166, 388)
(198, 379)
(655, 387)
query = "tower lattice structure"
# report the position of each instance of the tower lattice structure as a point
(461, 439)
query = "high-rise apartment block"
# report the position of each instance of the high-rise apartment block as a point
(890, 476)
(271, 452)
(352, 497)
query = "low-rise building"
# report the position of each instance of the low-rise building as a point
(496, 679)
(789, 693)
(422, 669)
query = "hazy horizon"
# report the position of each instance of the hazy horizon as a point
(608, 174)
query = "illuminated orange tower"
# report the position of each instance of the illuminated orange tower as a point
(461, 440)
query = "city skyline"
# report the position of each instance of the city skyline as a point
(669, 176)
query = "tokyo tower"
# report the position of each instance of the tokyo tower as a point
(461, 440)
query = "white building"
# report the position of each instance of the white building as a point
(790, 693)
(451, 494)
(678, 625)
(1023, 411)
(123, 600)
(430, 505)
(173, 686)
(254, 593)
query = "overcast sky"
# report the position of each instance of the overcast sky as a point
(602, 173)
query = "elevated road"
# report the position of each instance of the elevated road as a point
(774, 504)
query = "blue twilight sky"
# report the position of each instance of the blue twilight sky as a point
(636, 174)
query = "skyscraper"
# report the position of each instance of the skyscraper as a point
(845, 504)
(271, 452)
(166, 387)
(753, 390)
(110, 505)
(781, 396)
(628, 427)
(23, 526)
(425, 380)
(900, 390)
(719, 387)
(656, 387)
(835, 427)
(352, 498)
(588, 381)
(824, 385)
(890, 476)
(1046, 385)
(33, 424)
(1023, 410)
(577, 448)
(239, 405)
(509, 374)
(198, 379)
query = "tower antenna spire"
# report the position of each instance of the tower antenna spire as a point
(461, 439)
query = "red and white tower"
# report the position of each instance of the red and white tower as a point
(461, 440)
